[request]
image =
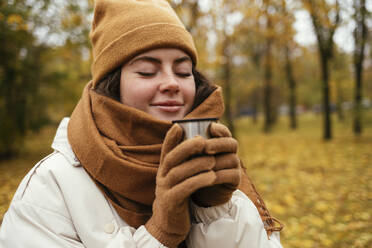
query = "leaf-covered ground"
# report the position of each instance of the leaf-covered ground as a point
(321, 191)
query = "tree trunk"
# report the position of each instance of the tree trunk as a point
(267, 96)
(327, 131)
(324, 33)
(227, 87)
(360, 37)
(292, 90)
(256, 95)
(340, 99)
(358, 99)
(268, 122)
(255, 99)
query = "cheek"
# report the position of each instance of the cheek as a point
(136, 93)
(189, 91)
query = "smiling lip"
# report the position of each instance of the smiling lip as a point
(168, 106)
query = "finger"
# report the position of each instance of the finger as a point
(173, 137)
(184, 189)
(221, 145)
(188, 169)
(181, 153)
(230, 177)
(221, 194)
(226, 161)
(219, 130)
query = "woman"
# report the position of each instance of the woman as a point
(121, 174)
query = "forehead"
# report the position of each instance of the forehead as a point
(163, 54)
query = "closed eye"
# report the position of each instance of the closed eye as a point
(184, 75)
(146, 74)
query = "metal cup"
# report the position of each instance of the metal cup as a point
(194, 127)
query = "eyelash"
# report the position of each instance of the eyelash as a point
(183, 75)
(146, 74)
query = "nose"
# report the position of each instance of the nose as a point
(169, 84)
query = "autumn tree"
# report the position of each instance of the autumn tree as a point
(288, 45)
(267, 14)
(325, 18)
(268, 21)
(200, 24)
(226, 53)
(251, 44)
(26, 74)
(189, 12)
(223, 27)
(255, 41)
(340, 79)
(360, 38)
(21, 78)
(192, 17)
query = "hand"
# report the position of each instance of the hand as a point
(227, 168)
(183, 169)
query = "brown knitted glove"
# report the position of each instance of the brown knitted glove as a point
(181, 172)
(227, 168)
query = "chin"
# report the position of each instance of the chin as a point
(169, 118)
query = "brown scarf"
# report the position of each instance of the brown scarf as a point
(119, 146)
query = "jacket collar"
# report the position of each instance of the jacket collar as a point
(61, 144)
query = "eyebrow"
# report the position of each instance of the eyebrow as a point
(158, 61)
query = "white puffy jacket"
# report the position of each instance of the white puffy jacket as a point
(58, 205)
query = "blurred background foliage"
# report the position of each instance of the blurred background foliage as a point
(44, 64)
(302, 112)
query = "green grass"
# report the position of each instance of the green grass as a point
(320, 190)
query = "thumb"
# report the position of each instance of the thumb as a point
(173, 137)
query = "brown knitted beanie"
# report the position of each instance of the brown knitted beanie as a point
(124, 28)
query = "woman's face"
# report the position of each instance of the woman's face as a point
(159, 82)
